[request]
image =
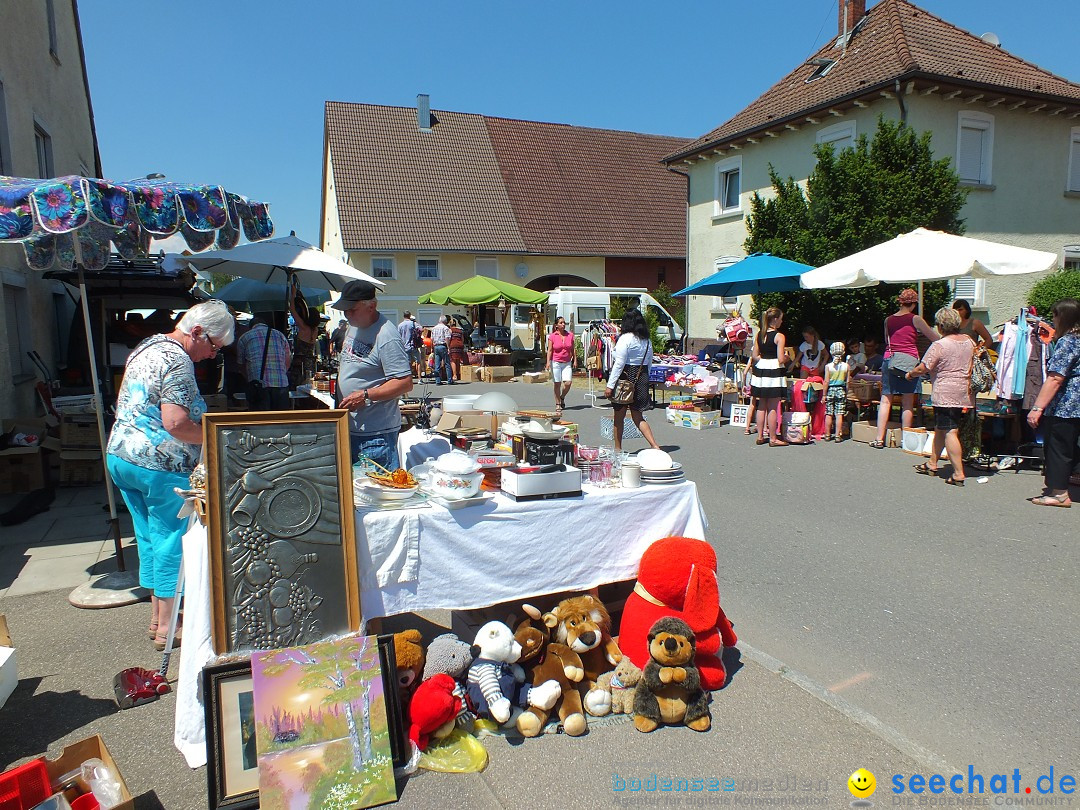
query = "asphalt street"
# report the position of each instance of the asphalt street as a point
(885, 619)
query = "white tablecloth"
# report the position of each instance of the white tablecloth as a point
(423, 559)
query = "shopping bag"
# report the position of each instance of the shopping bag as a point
(796, 427)
(630, 430)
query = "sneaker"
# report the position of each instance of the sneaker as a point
(1006, 462)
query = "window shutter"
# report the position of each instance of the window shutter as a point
(1074, 163)
(969, 158)
(966, 288)
(487, 267)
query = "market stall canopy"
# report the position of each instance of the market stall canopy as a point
(271, 262)
(255, 296)
(925, 255)
(69, 221)
(482, 290)
(757, 273)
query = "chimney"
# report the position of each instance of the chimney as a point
(423, 112)
(851, 11)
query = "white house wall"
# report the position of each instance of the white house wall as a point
(1027, 205)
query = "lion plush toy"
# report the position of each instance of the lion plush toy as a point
(620, 683)
(670, 687)
(548, 660)
(677, 577)
(582, 623)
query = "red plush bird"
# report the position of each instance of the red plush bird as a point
(677, 577)
(432, 710)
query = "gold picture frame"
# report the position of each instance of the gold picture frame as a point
(281, 528)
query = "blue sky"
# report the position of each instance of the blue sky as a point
(232, 93)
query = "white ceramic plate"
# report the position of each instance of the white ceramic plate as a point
(461, 503)
(540, 434)
(678, 480)
(651, 459)
(380, 493)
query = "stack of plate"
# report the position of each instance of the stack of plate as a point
(673, 475)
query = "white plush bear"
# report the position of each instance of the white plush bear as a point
(497, 687)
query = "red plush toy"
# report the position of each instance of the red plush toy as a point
(677, 577)
(433, 709)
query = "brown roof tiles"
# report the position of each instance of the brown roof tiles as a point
(895, 40)
(482, 184)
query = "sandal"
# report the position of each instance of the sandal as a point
(954, 482)
(779, 444)
(761, 441)
(877, 444)
(926, 469)
(153, 630)
(1052, 500)
(159, 641)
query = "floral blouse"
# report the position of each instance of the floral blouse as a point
(158, 371)
(1066, 361)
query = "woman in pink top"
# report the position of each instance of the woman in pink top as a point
(900, 330)
(948, 361)
(560, 362)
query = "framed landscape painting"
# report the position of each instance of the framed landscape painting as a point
(281, 527)
(321, 726)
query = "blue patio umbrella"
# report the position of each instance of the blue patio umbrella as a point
(757, 273)
(250, 295)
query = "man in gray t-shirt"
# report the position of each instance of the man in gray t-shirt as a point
(373, 372)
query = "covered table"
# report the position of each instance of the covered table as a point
(423, 559)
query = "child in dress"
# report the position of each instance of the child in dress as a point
(836, 379)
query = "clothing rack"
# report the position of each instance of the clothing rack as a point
(600, 328)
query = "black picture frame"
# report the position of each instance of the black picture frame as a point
(400, 750)
(221, 743)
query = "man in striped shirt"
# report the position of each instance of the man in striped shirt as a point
(267, 383)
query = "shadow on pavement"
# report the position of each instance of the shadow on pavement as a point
(55, 715)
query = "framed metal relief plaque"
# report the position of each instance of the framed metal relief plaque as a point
(281, 528)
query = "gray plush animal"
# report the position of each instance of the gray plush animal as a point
(450, 655)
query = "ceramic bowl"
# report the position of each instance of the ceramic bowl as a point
(654, 460)
(453, 486)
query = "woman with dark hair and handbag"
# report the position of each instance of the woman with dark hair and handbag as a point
(628, 383)
(901, 356)
(769, 381)
(1058, 406)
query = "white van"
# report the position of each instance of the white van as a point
(579, 305)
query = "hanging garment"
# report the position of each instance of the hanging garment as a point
(1023, 350)
(1036, 370)
(1006, 361)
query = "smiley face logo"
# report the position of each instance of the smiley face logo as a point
(862, 784)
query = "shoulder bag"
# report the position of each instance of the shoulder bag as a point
(623, 392)
(982, 375)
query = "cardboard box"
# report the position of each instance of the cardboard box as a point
(695, 420)
(24, 469)
(533, 377)
(572, 431)
(497, 373)
(549, 452)
(9, 677)
(79, 468)
(77, 753)
(541, 486)
(453, 420)
(867, 432)
(469, 373)
(79, 430)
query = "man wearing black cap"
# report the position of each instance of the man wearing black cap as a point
(373, 372)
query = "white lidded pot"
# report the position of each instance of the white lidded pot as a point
(455, 475)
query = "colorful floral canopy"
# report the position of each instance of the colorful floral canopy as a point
(69, 220)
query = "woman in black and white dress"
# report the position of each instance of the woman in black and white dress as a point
(633, 358)
(768, 383)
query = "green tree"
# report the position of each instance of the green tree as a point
(1050, 289)
(854, 199)
(676, 307)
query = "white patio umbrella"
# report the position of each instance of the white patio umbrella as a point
(271, 261)
(925, 255)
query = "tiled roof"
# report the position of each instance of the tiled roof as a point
(896, 40)
(482, 184)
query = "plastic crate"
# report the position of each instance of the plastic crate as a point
(658, 373)
(23, 787)
(79, 431)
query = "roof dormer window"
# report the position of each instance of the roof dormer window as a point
(822, 65)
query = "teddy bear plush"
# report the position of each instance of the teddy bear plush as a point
(546, 660)
(449, 655)
(433, 710)
(408, 662)
(620, 683)
(670, 687)
(677, 577)
(497, 687)
(582, 623)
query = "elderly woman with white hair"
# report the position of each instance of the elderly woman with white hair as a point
(155, 444)
(948, 362)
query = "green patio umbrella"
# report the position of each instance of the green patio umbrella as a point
(482, 290)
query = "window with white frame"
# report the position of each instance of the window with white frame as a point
(43, 146)
(487, 266)
(50, 13)
(427, 268)
(728, 302)
(971, 290)
(841, 136)
(975, 147)
(17, 314)
(1072, 257)
(382, 266)
(728, 187)
(1073, 182)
